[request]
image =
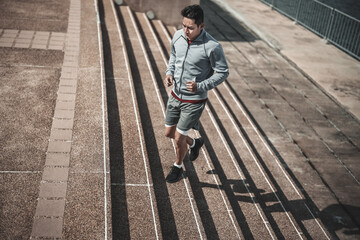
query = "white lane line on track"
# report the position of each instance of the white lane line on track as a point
(156, 87)
(273, 155)
(257, 164)
(103, 111)
(135, 109)
(207, 160)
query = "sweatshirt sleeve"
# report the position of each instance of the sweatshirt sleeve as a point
(171, 66)
(219, 66)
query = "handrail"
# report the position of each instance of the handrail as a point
(336, 27)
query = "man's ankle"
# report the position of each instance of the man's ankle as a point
(178, 165)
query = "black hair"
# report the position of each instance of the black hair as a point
(194, 12)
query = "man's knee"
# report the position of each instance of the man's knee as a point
(170, 132)
(179, 139)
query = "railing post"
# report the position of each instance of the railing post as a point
(272, 4)
(297, 12)
(329, 25)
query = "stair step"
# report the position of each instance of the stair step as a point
(239, 187)
(293, 196)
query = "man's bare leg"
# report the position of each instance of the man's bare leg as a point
(181, 147)
(180, 143)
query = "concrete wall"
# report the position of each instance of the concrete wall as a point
(166, 10)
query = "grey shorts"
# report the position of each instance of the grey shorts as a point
(184, 115)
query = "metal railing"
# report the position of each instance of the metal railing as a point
(334, 26)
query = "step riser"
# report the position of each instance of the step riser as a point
(293, 194)
(275, 206)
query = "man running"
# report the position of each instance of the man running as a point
(195, 56)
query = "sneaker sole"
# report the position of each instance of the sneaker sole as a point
(177, 179)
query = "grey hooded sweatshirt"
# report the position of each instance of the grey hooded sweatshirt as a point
(196, 62)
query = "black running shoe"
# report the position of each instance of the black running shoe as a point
(194, 152)
(174, 175)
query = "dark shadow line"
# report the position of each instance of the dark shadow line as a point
(279, 192)
(119, 211)
(158, 37)
(312, 206)
(252, 185)
(154, 65)
(166, 215)
(225, 185)
(249, 37)
(201, 203)
(205, 215)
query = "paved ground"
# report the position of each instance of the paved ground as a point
(330, 68)
(82, 145)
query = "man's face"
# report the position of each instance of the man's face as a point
(191, 29)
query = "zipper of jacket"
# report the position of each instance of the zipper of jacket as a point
(182, 69)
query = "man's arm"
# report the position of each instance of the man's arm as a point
(219, 65)
(169, 79)
(171, 66)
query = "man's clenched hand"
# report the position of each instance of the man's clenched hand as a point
(191, 86)
(169, 80)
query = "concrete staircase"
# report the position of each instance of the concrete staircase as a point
(254, 178)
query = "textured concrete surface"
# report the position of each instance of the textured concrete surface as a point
(280, 158)
(335, 72)
(29, 81)
(34, 15)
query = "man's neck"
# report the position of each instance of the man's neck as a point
(190, 41)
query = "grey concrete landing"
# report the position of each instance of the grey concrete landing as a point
(332, 70)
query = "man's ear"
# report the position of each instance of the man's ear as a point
(202, 26)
